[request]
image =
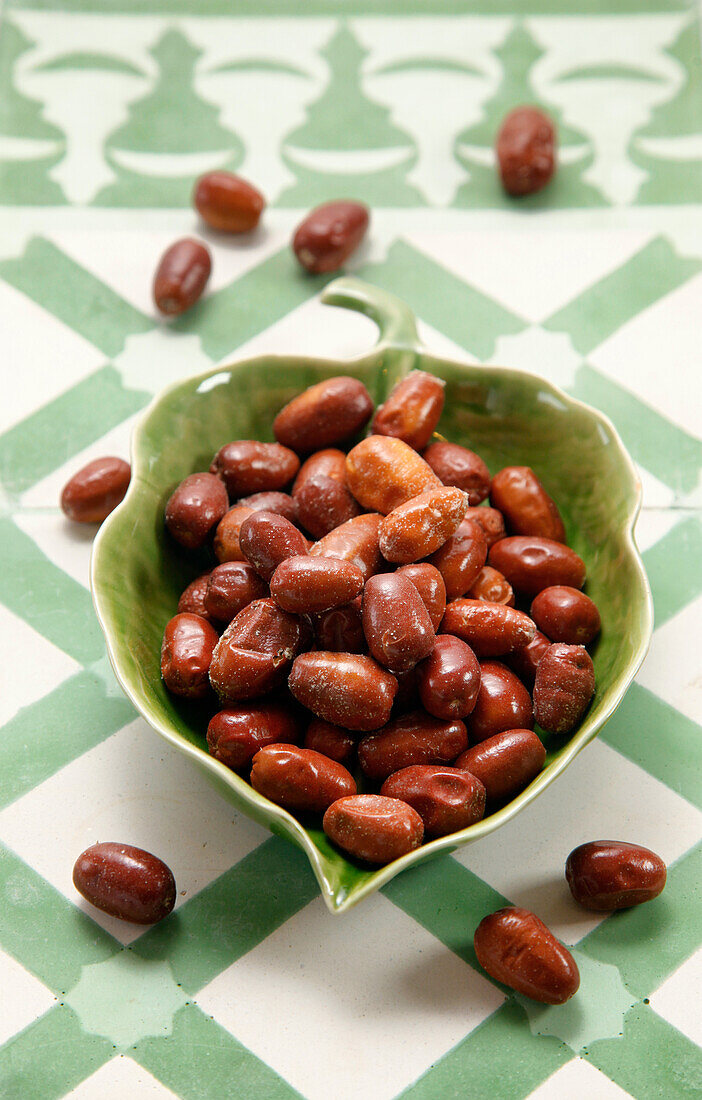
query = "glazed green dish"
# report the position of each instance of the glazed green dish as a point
(507, 416)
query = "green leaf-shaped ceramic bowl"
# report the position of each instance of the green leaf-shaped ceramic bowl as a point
(507, 416)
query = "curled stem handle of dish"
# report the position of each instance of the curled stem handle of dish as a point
(393, 317)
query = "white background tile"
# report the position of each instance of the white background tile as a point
(30, 666)
(47, 492)
(135, 789)
(664, 343)
(674, 671)
(48, 355)
(677, 1000)
(578, 1080)
(531, 272)
(24, 997)
(600, 796)
(357, 1005)
(118, 1079)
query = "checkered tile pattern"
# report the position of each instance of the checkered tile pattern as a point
(250, 988)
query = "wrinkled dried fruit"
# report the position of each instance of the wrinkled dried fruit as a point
(611, 874)
(526, 151)
(566, 615)
(254, 654)
(346, 689)
(232, 586)
(325, 414)
(125, 882)
(227, 202)
(267, 539)
(449, 679)
(528, 509)
(490, 629)
(309, 585)
(445, 798)
(373, 828)
(332, 741)
(96, 490)
(355, 541)
(329, 234)
(235, 735)
(415, 738)
(181, 276)
(531, 563)
(418, 527)
(455, 465)
(517, 949)
(395, 622)
(429, 583)
(461, 558)
(491, 586)
(505, 763)
(196, 506)
(300, 779)
(226, 540)
(412, 410)
(503, 703)
(186, 653)
(247, 466)
(563, 688)
(383, 473)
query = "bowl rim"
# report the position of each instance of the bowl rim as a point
(339, 901)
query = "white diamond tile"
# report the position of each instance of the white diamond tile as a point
(531, 272)
(47, 492)
(135, 789)
(31, 666)
(125, 257)
(656, 494)
(68, 545)
(578, 1080)
(600, 796)
(158, 358)
(314, 329)
(24, 997)
(674, 671)
(119, 1078)
(676, 997)
(440, 345)
(652, 525)
(45, 354)
(693, 499)
(549, 355)
(381, 997)
(657, 356)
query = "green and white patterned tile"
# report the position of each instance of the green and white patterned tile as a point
(28, 996)
(672, 998)
(155, 790)
(22, 651)
(118, 1078)
(576, 1079)
(380, 1014)
(602, 795)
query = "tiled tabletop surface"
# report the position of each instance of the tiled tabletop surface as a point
(251, 989)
